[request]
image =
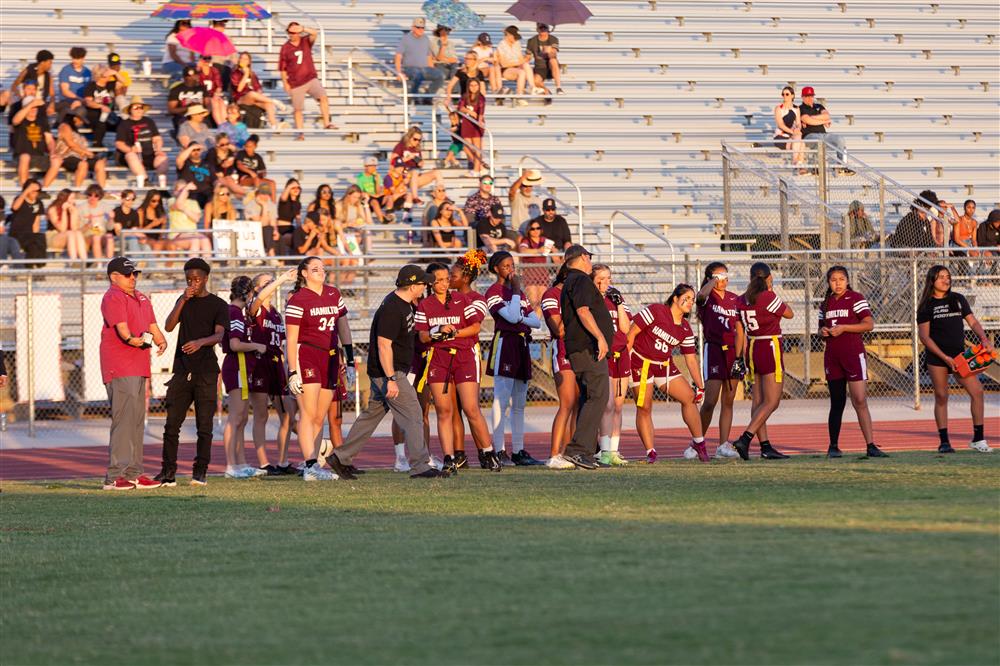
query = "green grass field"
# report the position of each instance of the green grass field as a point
(802, 561)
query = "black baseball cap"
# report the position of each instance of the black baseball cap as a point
(497, 210)
(412, 274)
(114, 59)
(190, 71)
(549, 204)
(122, 265)
(574, 251)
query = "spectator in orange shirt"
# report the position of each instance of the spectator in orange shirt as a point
(963, 229)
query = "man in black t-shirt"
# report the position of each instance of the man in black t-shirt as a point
(203, 318)
(188, 92)
(99, 100)
(988, 234)
(544, 50)
(588, 337)
(191, 167)
(40, 72)
(140, 145)
(390, 351)
(32, 141)
(554, 226)
(493, 234)
(815, 120)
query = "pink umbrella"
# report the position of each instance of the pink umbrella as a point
(206, 41)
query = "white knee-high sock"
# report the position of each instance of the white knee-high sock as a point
(605, 442)
(502, 390)
(614, 442)
(400, 450)
(520, 398)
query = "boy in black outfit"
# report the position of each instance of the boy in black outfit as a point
(203, 318)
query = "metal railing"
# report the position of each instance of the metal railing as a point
(352, 72)
(653, 232)
(491, 159)
(565, 178)
(120, 241)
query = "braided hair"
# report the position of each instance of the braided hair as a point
(561, 274)
(470, 263)
(240, 289)
(438, 266)
(300, 279)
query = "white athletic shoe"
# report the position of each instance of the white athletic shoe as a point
(726, 450)
(690, 453)
(559, 462)
(435, 463)
(317, 473)
(980, 446)
(239, 473)
(401, 465)
(256, 472)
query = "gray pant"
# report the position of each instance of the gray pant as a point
(592, 378)
(128, 412)
(406, 412)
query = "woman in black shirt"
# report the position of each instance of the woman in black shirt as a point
(25, 221)
(125, 217)
(939, 322)
(289, 210)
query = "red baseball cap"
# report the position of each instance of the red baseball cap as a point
(808, 91)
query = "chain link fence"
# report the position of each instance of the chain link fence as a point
(50, 323)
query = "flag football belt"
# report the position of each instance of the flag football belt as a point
(241, 357)
(640, 399)
(775, 347)
(496, 347)
(428, 355)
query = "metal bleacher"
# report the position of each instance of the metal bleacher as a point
(652, 89)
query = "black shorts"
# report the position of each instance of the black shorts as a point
(147, 160)
(781, 142)
(72, 162)
(38, 162)
(931, 358)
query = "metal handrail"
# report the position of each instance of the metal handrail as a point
(405, 97)
(647, 229)
(322, 37)
(480, 125)
(556, 172)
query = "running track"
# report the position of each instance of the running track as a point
(90, 462)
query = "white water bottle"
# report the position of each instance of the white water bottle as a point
(147, 67)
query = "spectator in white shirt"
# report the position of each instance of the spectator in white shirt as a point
(515, 64)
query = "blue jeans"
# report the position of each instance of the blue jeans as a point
(174, 69)
(838, 143)
(10, 248)
(432, 76)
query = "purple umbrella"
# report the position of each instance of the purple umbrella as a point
(550, 12)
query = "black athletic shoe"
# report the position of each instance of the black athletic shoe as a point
(524, 459)
(494, 464)
(199, 478)
(742, 447)
(449, 466)
(583, 462)
(768, 452)
(165, 479)
(355, 470)
(504, 459)
(289, 470)
(875, 452)
(945, 448)
(833, 452)
(339, 468)
(271, 470)
(431, 473)
(486, 459)
(460, 459)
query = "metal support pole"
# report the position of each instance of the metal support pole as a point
(350, 80)
(727, 200)
(434, 131)
(30, 325)
(914, 336)
(270, 28)
(821, 181)
(783, 213)
(881, 213)
(322, 56)
(806, 334)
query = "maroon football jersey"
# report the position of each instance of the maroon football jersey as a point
(496, 297)
(659, 335)
(851, 308)
(620, 341)
(297, 62)
(763, 318)
(457, 310)
(718, 316)
(550, 307)
(269, 329)
(239, 328)
(316, 315)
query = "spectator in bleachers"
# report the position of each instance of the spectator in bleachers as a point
(211, 80)
(40, 72)
(396, 187)
(32, 141)
(788, 126)
(863, 234)
(415, 63)
(99, 104)
(175, 57)
(554, 227)
(251, 167)
(438, 196)
(194, 170)
(220, 207)
(524, 201)
(493, 233)
(9, 247)
(234, 127)
(26, 221)
(221, 161)
(963, 228)
(73, 78)
(184, 215)
(409, 152)
(121, 80)
(125, 217)
(153, 217)
(472, 122)
(479, 204)
(348, 228)
(76, 154)
(815, 121)
(184, 95)
(260, 207)
(64, 226)
(515, 64)
(443, 233)
(350, 211)
(915, 229)
(140, 145)
(536, 274)
(289, 212)
(445, 58)
(195, 129)
(224, 64)
(247, 90)
(544, 49)
(298, 74)
(370, 183)
(95, 219)
(486, 60)
(467, 72)
(322, 200)
(312, 237)
(988, 235)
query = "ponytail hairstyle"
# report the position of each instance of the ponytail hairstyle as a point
(679, 291)
(561, 274)
(470, 263)
(711, 268)
(599, 267)
(438, 266)
(928, 293)
(759, 273)
(829, 292)
(240, 289)
(299, 279)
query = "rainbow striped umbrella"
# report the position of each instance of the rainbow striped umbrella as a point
(217, 11)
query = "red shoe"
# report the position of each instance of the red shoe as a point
(146, 483)
(702, 451)
(651, 456)
(121, 483)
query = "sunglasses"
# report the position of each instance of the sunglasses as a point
(786, 94)
(487, 182)
(222, 194)
(129, 199)
(534, 228)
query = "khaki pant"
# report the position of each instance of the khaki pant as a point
(127, 396)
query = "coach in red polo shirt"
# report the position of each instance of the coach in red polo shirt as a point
(129, 331)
